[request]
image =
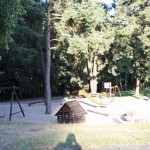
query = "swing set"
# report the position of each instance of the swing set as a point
(112, 90)
(13, 94)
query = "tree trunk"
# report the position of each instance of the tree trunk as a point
(137, 91)
(125, 82)
(93, 81)
(93, 85)
(92, 71)
(120, 80)
(48, 65)
(43, 66)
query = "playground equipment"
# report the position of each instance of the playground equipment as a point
(2, 106)
(97, 112)
(111, 90)
(84, 93)
(13, 93)
(36, 102)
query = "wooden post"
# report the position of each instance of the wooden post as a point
(11, 104)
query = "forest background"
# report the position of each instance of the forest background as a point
(88, 45)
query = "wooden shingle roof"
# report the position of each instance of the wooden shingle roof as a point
(72, 106)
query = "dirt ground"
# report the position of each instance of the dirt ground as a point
(137, 108)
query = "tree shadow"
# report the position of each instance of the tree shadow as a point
(70, 144)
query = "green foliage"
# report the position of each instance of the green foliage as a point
(80, 30)
(10, 11)
(85, 30)
(130, 47)
(22, 64)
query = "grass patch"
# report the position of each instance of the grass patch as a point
(27, 136)
(143, 92)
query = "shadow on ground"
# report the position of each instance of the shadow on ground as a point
(70, 144)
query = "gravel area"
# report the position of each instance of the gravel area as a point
(112, 114)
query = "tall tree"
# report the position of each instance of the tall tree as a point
(133, 27)
(87, 30)
(48, 61)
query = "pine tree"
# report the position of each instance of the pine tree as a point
(131, 16)
(87, 30)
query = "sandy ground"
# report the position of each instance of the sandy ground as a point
(140, 107)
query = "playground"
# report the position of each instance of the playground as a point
(108, 110)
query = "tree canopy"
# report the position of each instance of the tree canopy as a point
(88, 45)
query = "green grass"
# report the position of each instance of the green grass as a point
(143, 92)
(26, 136)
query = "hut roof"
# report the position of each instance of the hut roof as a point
(73, 106)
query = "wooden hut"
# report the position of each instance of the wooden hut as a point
(71, 112)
